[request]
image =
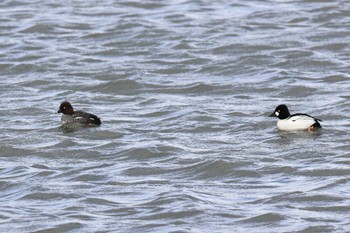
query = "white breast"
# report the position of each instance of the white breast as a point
(295, 123)
(66, 119)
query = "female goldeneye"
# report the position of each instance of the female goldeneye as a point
(297, 121)
(77, 117)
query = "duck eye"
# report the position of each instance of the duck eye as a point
(278, 110)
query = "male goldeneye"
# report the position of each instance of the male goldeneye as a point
(297, 121)
(77, 117)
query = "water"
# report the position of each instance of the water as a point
(183, 89)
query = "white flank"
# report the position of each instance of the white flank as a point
(295, 123)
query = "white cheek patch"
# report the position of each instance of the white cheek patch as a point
(277, 113)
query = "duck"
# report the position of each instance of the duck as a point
(298, 121)
(77, 117)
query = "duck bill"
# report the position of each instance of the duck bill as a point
(272, 115)
(59, 111)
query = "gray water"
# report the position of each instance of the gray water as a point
(183, 89)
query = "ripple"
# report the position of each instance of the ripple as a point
(184, 89)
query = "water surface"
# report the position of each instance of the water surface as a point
(183, 89)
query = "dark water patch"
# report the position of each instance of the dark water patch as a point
(40, 196)
(121, 87)
(322, 228)
(324, 172)
(66, 227)
(267, 217)
(335, 78)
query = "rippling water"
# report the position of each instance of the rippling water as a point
(184, 89)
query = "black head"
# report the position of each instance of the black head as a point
(281, 112)
(66, 108)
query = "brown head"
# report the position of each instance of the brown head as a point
(66, 108)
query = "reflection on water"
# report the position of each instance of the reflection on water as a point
(300, 135)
